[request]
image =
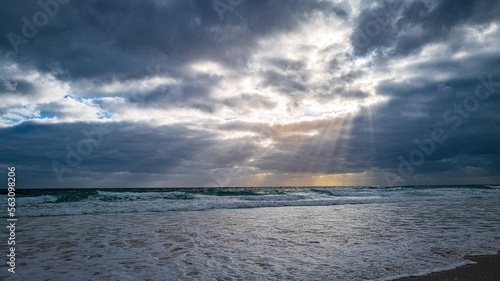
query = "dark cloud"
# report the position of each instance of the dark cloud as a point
(70, 150)
(265, 112)
(120, 39)
(392, 130)
(193, 93)
(405, 27)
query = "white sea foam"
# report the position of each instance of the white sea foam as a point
(142, 195)
(373, 241)
(36, 200)
(129, 202)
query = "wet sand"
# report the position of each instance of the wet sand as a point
(487, 268)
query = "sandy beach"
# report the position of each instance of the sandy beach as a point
(487, 268)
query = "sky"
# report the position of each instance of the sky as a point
(199, 93)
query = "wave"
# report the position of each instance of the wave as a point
(194, 205)
(130, 196)
(37, 200)
(74, 202)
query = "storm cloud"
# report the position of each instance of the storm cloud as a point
(249, 93)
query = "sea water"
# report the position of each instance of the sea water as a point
(308, 233)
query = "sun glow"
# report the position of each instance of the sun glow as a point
(307, 179)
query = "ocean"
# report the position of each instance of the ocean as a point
(290, 233)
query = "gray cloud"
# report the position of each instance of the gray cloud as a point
(105, 39)
(71, 150)
(407, 27)
(132, 64)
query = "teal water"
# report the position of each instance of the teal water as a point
(56, 202)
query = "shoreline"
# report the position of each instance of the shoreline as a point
(486, 268)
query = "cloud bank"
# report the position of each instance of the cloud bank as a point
(250, 93)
